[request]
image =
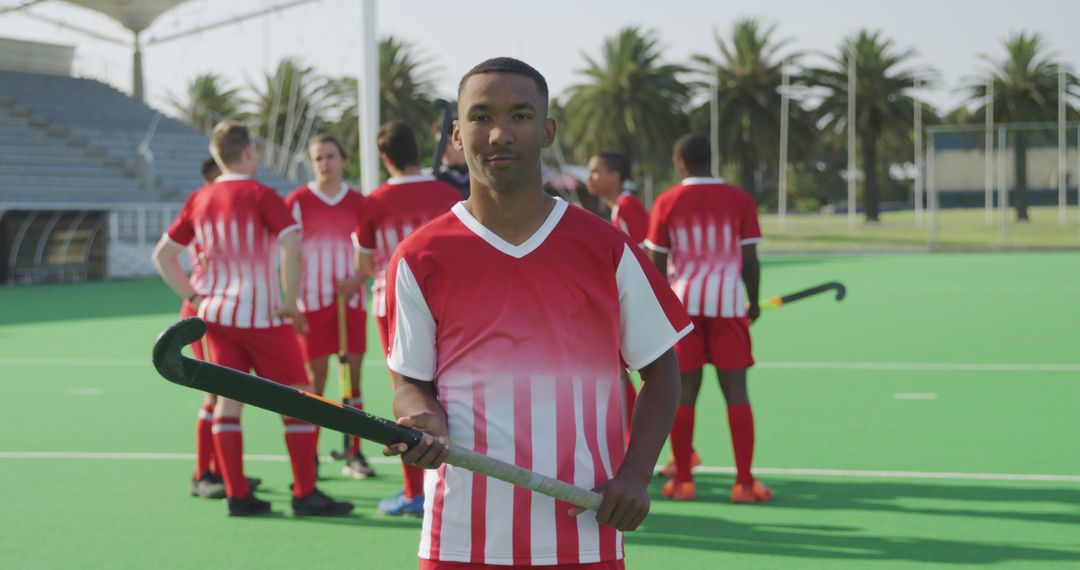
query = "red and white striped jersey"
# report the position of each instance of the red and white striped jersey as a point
(703, 224)
(236, 223)
(198, 269)
(392, 212)
(630, 215)
(327, 247)
(523, 344)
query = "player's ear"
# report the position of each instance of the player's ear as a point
(455, 135)
(549, 132)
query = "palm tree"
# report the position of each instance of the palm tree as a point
(883, 100)
(1025, 90)
(288, 105)
(748, 76)
(406, 90)
(631, 101)
(209, 99)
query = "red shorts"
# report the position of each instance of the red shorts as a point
(384, 333)
(722, 342)
(186, 310)
(273, 353)
(322, 337)
(426, 564)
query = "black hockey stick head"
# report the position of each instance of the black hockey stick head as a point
(841, 291)
(167, 357)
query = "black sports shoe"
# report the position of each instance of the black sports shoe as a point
(317, 504)
(209, 486)
(357, 467)
(248, 506)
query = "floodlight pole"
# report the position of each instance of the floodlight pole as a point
(368, 97)
(714, 121)
(918, 186)
(1003, 189)
(1062, 169)
(932, 234)
(781, 201)
(851, 179)
(988, 184)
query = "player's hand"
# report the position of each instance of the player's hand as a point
(292, 314)
(349, 287)
(753, 312)
(199, 300)
(433, 447)
(625, 502)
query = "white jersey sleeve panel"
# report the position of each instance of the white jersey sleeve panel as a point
(412, 348)
(645, 327)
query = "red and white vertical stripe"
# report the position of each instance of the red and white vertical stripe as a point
(505, 524)
(241, 274)
(707, 268)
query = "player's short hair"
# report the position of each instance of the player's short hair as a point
(209, 170)
(398, 142)
(228, 141)
(616, 161)
(507, 65)
(322, 138)
(695, 152)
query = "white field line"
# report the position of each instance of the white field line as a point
(838, 473)
(903, 366)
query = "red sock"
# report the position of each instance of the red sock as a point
(682, 442)
(741, 421)
(413, 480)
(229, 444)
(300, 440)
(204, 441)
(354, 442)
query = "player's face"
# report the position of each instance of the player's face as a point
(502, 130)
(327, 161)
(602, 180)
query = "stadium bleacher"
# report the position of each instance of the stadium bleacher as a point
(82, 118)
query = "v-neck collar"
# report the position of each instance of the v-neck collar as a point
(327, 199)
(515, 251)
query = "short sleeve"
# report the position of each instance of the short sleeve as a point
(182, 229)
(275, 214)
(364, 234)
(411, 326)
(651, 318)
(750, 230)
(658, 238)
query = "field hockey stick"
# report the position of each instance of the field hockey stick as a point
(313, 408)
(776, 302)
(343, 372)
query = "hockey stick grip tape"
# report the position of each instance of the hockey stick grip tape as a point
(478, 463)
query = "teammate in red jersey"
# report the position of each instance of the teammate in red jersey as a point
(328, 209)
(239, 226)
(608, 171)
(405, 202)
(510, 318)
(710, 230)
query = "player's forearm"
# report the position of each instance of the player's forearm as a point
(290, 263)
(751, 274)
(364, 266)
(654, 413)
(413, 397)
(165, 258)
